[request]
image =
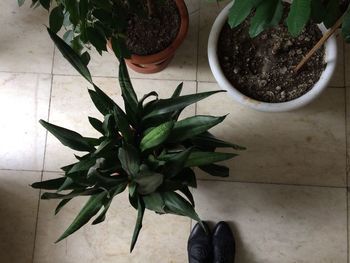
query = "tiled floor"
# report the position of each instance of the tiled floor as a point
(286, 198)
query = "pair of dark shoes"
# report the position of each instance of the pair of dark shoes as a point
(215, 247)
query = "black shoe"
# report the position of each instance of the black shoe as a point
(224, 247)
(199, 245)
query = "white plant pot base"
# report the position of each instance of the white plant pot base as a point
(313, 93)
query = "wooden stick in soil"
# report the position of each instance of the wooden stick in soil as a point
(319, 44)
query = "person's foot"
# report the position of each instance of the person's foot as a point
(224, 247)
(199, 245)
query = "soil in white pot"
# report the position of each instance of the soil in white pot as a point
(262, 68)
(148, 35)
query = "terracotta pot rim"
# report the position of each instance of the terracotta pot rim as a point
(170, 50)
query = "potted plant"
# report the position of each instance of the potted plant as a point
(145, 149)
(269, 55)
(145, 32)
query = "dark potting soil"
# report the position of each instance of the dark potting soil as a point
(262, 68)
(149, 35)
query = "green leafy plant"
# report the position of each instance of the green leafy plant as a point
(93, 22)
(145, 149)
(268, 13)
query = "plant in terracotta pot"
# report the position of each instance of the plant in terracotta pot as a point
(145, 150)
(145, 32)
(269, 54)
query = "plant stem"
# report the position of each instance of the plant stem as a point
(319, 44)
(151, 8)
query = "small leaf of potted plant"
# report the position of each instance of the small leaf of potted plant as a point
(145, 149)
(274, 56)
(146, 32)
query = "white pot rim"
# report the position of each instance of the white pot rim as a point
(313, 93)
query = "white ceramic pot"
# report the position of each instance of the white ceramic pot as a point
(330, 59)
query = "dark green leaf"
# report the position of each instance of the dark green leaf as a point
(156, 136)
(56, 19)
(318, 11)
(74, 193)
(83, 9)
(97, 124)
(45, 4)
(163, 106)
(268, 13)
(102, 102)
(61, 204)
(128, 92)
(332, 14)
(148, 182)
(176, 163)
(192, 126)
(68, 184)
(73, 58)
(216, 170)
(85, 58)
(96, 38)
(178, 90)
(109, 126)
(177, 205)
(154, 202)
(138, 226)
(209, 141)
(346, 26)
(123, 124)
(83, 165)
(119, 48)
(298, 16)
(152, 93)
(107, 203)
(240, 11)
(205, 158)
(91, 208)
(188, 195)
(52, 184)
(130, 160)
(67, 137)
(72, 6)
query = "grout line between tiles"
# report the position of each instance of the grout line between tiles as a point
(347, 172)
(277, 184)
(45, 145)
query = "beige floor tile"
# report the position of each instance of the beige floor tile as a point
(306, 146)
(24, 99)
(347, 63)
(18, 211)
(338, 79)
(71, 104)
(192, 5)
(348, 131)
(162, 238)
(183, 66)
(275, 223)
(25, 44)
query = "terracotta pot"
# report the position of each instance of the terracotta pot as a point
(159, 61)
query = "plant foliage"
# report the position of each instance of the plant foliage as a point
(268, 13)
(145, 149)
(89, 23)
